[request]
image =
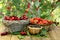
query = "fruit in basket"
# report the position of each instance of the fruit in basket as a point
(6, 18)
(40, 21)
(45, 21)
(24, 17)
(11, 18)
(32, 20)
(35, 21)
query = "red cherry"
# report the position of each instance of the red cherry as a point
(21, 18)
(28, 5)
(26, 11)
(16, 18)
(5, 33)
(6, 18)
(12, 18)
(8, 8)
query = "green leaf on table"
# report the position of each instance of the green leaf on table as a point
(15, 33)
(21, 37)
(28, 33)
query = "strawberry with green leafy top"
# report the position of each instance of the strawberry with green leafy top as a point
(23, 33)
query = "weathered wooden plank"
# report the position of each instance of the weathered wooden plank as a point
(55, 34)
(46, 38)
(7, 37)
(14, 37)
(36, 38)
(27, 38)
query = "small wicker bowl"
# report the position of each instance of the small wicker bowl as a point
(34, 30)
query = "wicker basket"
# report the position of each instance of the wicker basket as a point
(14, 26)
(34, 30)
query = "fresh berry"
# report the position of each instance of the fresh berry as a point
(6, 18)
(8, 8)
(28, 6)
(23, 33)
(16, 18)
(12, 18)
(32, 20)
(50, 22)
(40, 23)
(5, 33)
(24, 17)
(45, 21)
(35, 21)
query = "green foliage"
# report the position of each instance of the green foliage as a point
(15, 33)
(56, 14)
(21, 37)
(43, 32)
(18, 7)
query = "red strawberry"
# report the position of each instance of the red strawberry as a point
(39, 19)
(32, 20)
(50, 22)
(45, 21)
(35, 21)
(40, 23)
(23, 33)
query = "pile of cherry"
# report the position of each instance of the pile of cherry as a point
(11, 18)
